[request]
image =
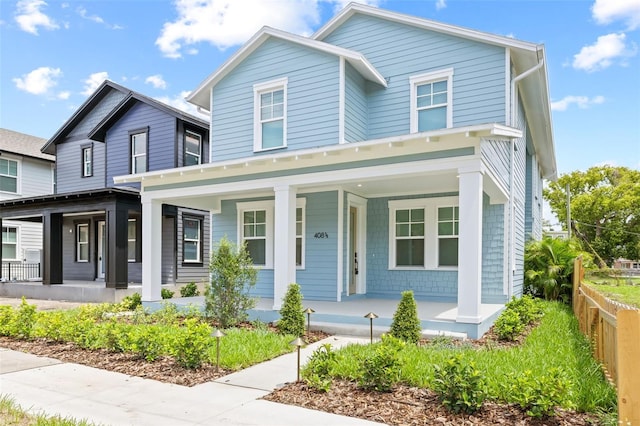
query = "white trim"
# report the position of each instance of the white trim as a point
(17, 244)
(342, 87)
(135, 239)
(301, 203)
(507, 86)
(267, 206)
(360, 204)
(340, 246)
(184, 142)
(78, 242)
(200, 221)
(258, 90)
(18, 176)
(430, 77)
(430, 206)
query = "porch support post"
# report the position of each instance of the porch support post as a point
(52, 248)
(1, 249)
(117, 270)
(284, 259)
(470, 247)
(151, 249)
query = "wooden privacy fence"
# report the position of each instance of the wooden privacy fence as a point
(614, 331)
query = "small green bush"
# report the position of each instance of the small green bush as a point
(116, 336)
(191, 343)
(538, 396)
(291, 315)
(147, 341)
(406, 324)
(459, 385)
(189, 290)
(381, 370)
(131, 302)
(528, 308)
(168, 315)
(317, 371)
(6, 318)
(509, 325)
(21, 320)
(165, 293)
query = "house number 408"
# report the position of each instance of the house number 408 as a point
(321, 235)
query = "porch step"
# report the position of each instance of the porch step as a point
(365, 331)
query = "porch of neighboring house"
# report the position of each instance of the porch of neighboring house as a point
(70, 291)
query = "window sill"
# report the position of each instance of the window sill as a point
(275, 148)
(423, 268)
(192, 264)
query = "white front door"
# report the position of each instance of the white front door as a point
(102, 248)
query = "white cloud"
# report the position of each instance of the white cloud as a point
(583, 102)
(95, 18)
(29, 17)
(608, 11)
(603, 52)
(226, 23)
(440, 4)
(180, 103)
(156, 81)
(63, 95)
(39, 81)
(94, 81)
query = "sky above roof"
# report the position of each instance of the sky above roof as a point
(53, 54)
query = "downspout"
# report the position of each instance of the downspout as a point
(514, 81)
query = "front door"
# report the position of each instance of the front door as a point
(102, 248)
(353, 249)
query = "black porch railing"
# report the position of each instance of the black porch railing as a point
(14, 271)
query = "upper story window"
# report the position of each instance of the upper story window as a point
(270, 115)
(138, 150)
(191, 239)
(192, 148)
(9, 243)
(431, 106)
(82, 242)
(87, 161)
(8, 175)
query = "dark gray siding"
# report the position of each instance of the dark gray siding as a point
(196, 273)
(69, 166)
(72, 270)
(168, 250)
(204, 151)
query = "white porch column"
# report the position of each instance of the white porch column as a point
(470, 247)
(284, 251)
(151, 249)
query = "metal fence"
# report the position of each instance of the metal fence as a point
(13, 271)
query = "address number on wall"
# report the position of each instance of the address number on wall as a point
(321, 235)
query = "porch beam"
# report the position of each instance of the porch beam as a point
(151, 249)
(470, 246)
(284, 259)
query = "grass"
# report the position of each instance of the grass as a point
(11, 414)
(241, 348)
(623, 290)
(555, 343)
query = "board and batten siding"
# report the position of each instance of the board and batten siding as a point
(400, 51)
(312, 99)
(161, 141)
(355, 108)
(197, 273)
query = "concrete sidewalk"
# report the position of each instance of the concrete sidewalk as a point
(46, 385)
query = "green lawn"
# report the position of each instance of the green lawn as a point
(623, 290)
(12, 414)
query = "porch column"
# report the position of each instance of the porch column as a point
(1, 249)
(151, 249)
(470, 247)
(52, 248)
(284, 252)
(117, 270)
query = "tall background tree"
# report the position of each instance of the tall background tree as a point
(605, 209)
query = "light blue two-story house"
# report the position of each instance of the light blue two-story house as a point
(385, 152)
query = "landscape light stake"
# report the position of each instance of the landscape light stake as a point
(308, 311)
(371, 316)
(217, 334)
(299, 342)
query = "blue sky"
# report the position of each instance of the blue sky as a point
(54, 53)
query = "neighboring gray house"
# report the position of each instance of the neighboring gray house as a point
(92, 227)
(24, 172)
(384, 153)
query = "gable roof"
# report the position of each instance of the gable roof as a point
(100, 131)
(22, 144)
(524, 55)
(201, 95)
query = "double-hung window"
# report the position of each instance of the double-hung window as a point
(82, 242)
(9, 243)
(138, 151)
(192, 148)
(448, 228)
(431, 106)
(300, 236)
(87, 161)
(131, 240)
(192, 239)
(270, 115)
(409, 237)
(8, 175)
(254, 235)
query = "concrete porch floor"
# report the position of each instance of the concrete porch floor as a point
(70, 290)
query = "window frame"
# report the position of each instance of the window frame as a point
(184, 145)
(199, 241)
(132, 157)
(455, 221)
(83, 150)
(258, 90)
(431, 238)
(16, 244)
(301, 204)
(429, 78)
(77, 226)
(18, 162)
(267, 206)
(135, 240)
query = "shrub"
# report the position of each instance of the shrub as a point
(232, 277)
(6, 318)
(191, 343)
(54, 325)
(146, 340)
(459, 385)
(189, 290)
(291, 315)
(538, 396)
(509, 325)
(317, 371)
(116, 336)
(526, 307)
(20, 321)
(381, 370)
(168, 315)
(406, 325)
(165, 293)
(131, 302)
